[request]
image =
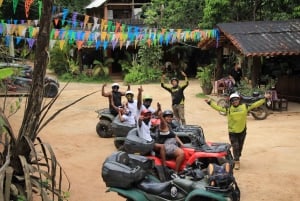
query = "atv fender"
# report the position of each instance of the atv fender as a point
(132, 193)
(109, 117)
(205, 194)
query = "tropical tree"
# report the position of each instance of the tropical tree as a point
(28, 166)
(207, 13)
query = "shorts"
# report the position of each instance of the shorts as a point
(170, 146)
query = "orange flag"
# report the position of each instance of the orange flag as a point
(56, 21)
(79, 44)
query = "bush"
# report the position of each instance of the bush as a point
(59, 61)
(147, 66)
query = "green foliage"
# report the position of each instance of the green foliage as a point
(174, 14)
(58, 61)
(102, 69)
(6, 72)
(73, 67)
(201, 95)
(66, 77)
(147, 66)
(215, 11)
(188, 14)
(205, 75)
(139, 74)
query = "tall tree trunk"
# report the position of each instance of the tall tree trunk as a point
(32, 113)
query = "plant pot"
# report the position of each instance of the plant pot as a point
(207, 89)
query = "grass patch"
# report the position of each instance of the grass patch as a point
(201, 95)
(83, 78)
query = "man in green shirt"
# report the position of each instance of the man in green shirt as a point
(237, 119)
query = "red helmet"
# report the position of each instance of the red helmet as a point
(145, 112)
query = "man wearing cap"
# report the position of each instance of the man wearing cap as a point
(114, 97)
(237, 114)
(177, 95)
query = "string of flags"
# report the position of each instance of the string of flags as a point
(98, 33)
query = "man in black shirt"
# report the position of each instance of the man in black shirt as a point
(177, 95)
(236, 74)
(114, 96)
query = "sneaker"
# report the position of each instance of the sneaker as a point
(237, 165)
(174, 176)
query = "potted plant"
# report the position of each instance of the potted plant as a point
(204, 75)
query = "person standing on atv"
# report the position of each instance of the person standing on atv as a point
(170, 139)
(177, 95)
(114, 97)
(237, 118)
(145, 103)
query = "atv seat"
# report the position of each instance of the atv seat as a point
(153, 187)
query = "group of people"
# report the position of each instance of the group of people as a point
(140, 112)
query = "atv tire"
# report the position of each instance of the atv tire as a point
(259, 113)
(104, 128)
(50, 90)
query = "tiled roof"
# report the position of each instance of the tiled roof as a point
(264, 38)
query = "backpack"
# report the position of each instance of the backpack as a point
(220, 178)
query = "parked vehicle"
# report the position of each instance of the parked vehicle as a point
(110, 125)
(130, 176)
(21, 82)
(103, 127)
(259, 113)
(197, 151)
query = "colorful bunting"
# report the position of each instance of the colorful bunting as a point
(15, 4)
(27, 7)
(40, 4)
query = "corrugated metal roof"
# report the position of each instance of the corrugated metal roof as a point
(95, 4)
(264, 38)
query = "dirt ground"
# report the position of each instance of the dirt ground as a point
(269, 165)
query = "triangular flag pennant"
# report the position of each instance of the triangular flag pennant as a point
(53, 9)
(52, 34)
(74, 16)
(61, 44)
(30, 42)
(98, 43)
(1, 28)
(86, 19)
(127, 44)
(7, 40)
(22, 30)
(52, 43)
(65, 13)
(79, 44)
(40, 8)
(56, 21)
(18, 40)
(105, 44)
(114, 43)
(27, 7)
(90, 42)
(15, 4)
(121, 44)
(56, 33)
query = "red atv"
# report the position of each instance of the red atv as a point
(198, 152)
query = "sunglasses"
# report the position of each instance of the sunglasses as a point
(235, 99)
